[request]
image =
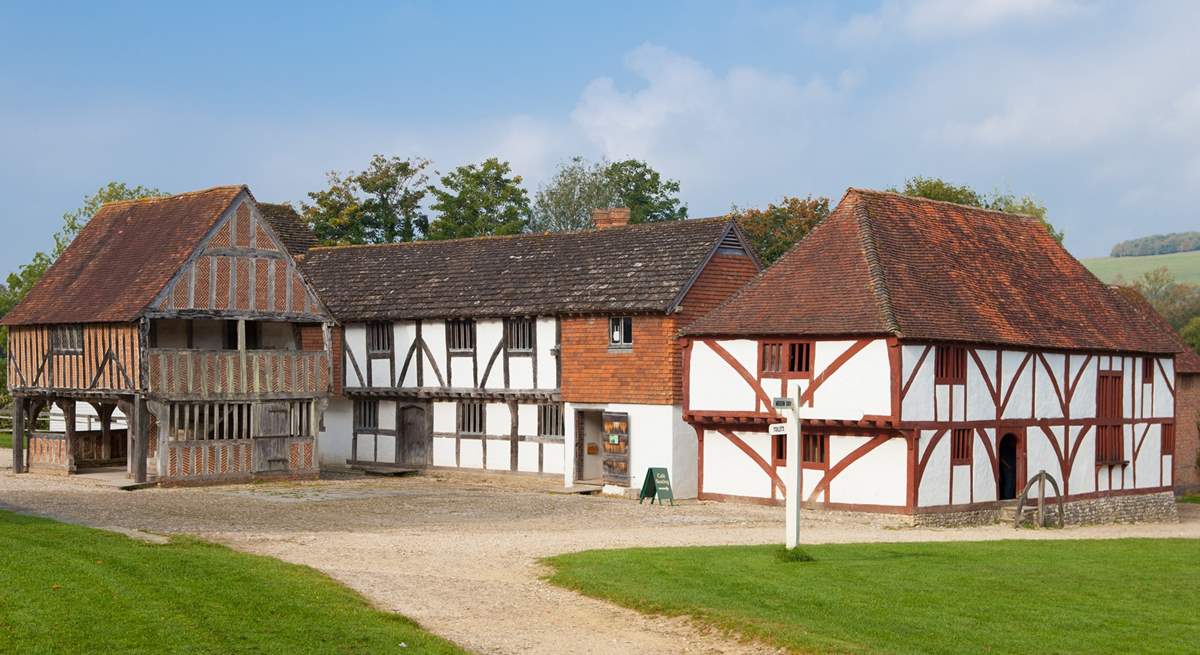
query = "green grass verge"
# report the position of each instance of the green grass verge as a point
(1185, 266)
(1190, 498)
(5, 440)
(1116, 596)
(70, 589)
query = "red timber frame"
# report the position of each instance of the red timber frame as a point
(1064, 383)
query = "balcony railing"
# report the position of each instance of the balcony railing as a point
(203, 374)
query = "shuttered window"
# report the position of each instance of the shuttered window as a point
(471, 417)
(950, 365)
(518, 334)
(779, 449)
(785, 359)
(379, 337)
(67, 339)
(1168, 438)
(460, 334)
(1110, 443)
(814, 448)
(550, 420)
(366, 414)
(1147, 370)
(960, 446)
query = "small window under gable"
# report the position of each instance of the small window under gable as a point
(550, 420)
(950, 365)
(785, 359)
(366, 414)
(471, 417)
(67, 339)
(379, 337)
(814, 448)
(1147, 370)
(960, 446)
(731, 245)
(460, 334)
(518, 334)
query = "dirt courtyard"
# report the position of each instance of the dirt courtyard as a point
(459, 552)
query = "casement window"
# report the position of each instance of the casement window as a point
(253, 335)
(1110, 441)
(813, 449)
(784, 359)
(1147, 370)
(66, 339)
(379, 337)
(460, 334)
(779, 449)
(518, 334)
(366, 414)
(550, 420)
(620, 332)
(1168, 438)
(960, 446)
(471, 417)
(950, 365)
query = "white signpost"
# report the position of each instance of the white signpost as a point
(793, 482)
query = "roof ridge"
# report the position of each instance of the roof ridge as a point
(879, 287)
(525, 235)
(922, 199)
(174, 196)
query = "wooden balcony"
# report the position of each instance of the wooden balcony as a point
(231, 374)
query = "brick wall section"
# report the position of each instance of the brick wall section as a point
(723, 276)
(339, 358)
(648, 373)
(1187, 434)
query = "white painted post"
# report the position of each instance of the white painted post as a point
(794, 481)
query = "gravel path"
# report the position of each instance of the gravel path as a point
(458, 552)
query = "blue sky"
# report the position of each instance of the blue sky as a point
(1093, 107)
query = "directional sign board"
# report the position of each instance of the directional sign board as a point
(777, 429)
(783, 403)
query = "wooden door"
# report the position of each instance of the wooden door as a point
(274, 420)
(413, 447)
(270, 454)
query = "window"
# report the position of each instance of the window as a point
(67, 339)
(1110, 441)
(1168, 438)
(550, 420)
(620, 332)
(814, 448)
(779, 449)
(950, 365)
(518, 334)
(460, 334)
(780, 359)
(470, 417)
(366, 414)
(1147, 370)
(253, 331)
(960, 446)
(379, 337)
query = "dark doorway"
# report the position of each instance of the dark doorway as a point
(412, 448)
(1008, 467)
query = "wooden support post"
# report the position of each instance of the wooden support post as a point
(18, 451)
(106, 412)
(68, 410)
(141, 439)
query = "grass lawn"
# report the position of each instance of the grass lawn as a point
(1116, 596)
(69, 589)
(1190, 498)
(1184, 266)
(5, 440)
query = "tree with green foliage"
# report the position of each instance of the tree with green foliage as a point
(1191, 333)
(382, 204)
(649, 197)
(775, 229)
(1178, 302)
(939, 189)
(19, 282)
(479, 200)
(579, 186)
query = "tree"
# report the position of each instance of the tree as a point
(479, 200)
(774, 230)
(938, 189)
(19, 282)
(565, 203)
(1178, 302)
(1191, 333)
(650, 198)
(382, 204)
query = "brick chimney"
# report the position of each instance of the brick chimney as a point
(610, 217)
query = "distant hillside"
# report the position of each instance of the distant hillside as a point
(1185, 266)
(1158, 244)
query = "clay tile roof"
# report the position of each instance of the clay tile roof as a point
(289, 226)
(122, 258)
(887, 264)
(636, 268)
(1187, 361)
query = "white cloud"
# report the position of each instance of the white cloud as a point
(925, 19)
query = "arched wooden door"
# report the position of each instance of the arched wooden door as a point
(414, 447)
(1011, 456)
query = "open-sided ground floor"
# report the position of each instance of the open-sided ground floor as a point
(461, 553)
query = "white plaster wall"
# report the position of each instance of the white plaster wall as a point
(86, 418)
(1149, 456)
(1040, 455)
(1168, 470)
(1083, 479)
(961, 493)
(918, 402)
(443, 451)
(471, 453)
(547, 343)
(714, 385)
(497, 420)
(527, 456)
(981, 467)
(1020, 401)
(404, 335)
(980, 406)
(1046, 403)
(520, 373)
(334, 442)
(356, 345)
(727, 470)
(935, 483)
(445, 418)
(861, 386)
(387, 415)
(553, 458)
(1164, 400)
(434, 335)
(381, 372)
(527, 420)
(878, 478)
(463, 373)
(499, 455)
(685, 457)
(385, 447)
(1083, 402)
(488, 335)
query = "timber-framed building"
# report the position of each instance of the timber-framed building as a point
(941, 355)
(189, 315)
(551, 354)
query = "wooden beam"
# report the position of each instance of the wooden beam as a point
(18, 451)
(141, 439)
